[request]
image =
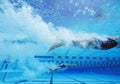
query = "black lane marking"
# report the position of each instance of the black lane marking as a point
(75, 79)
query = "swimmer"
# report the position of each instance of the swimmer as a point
(95, 43)
(61, 67)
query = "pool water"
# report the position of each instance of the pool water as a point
(28, 28)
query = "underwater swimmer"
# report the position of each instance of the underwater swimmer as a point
(62, 66)
(94, 43)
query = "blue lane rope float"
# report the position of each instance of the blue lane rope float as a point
(90, 61)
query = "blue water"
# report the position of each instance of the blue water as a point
(28, 28)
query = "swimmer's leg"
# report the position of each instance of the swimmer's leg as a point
(56, 45)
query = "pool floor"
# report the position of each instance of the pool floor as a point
(84, 78)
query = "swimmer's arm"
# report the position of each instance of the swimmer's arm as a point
(115, 37)
(54, 70)
(56, 45)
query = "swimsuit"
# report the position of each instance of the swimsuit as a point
(110, 43)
